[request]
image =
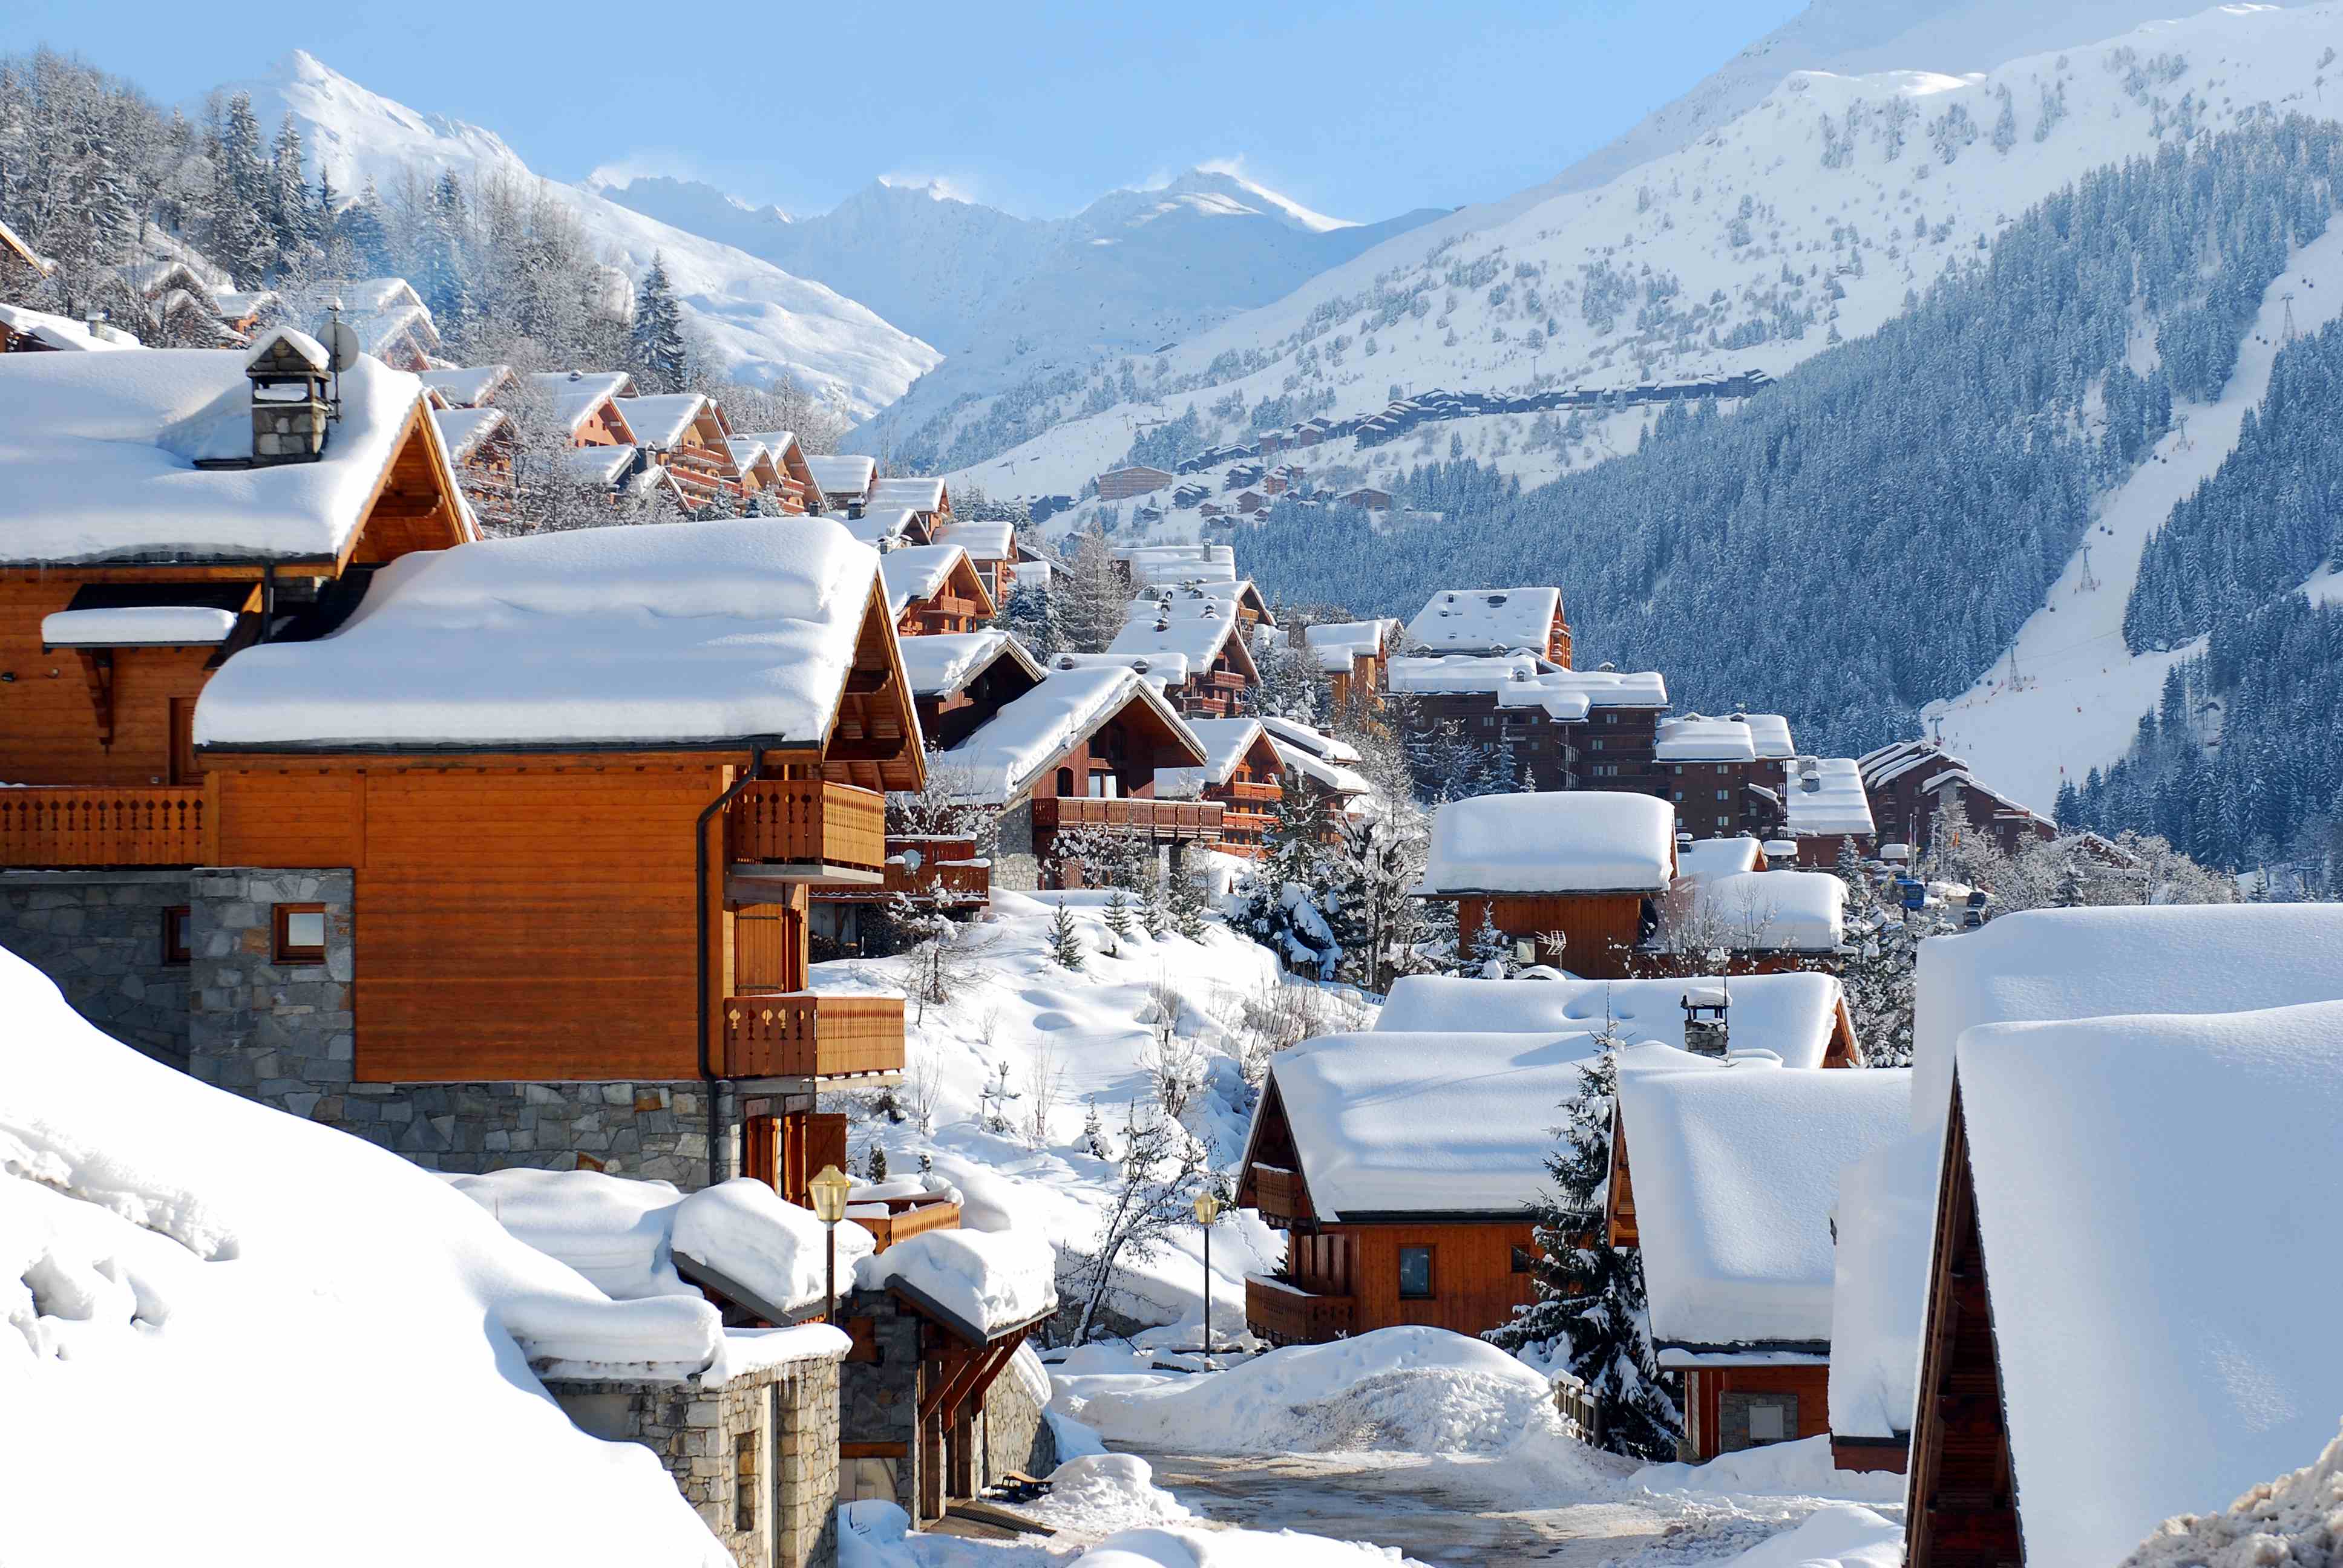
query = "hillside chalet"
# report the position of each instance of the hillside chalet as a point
(925, 497)
(844, 479)
(1726, 776)
(1725, 1171)
(1911, 783)
(392, 323)
(934, 590)
(25, 331)
(482, 442)
(991, 546)
(693, 722)
(1493, 621)
(1203, 625)
(1574, 880)
(1308, 759)
(1241, 771)
(686, 434)
(792, 490)
(1353, 656)
(1077, 750)
(1825, 811)
(585, 404)
(1404, 1164)
(1138, 480)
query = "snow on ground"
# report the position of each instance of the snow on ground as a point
(2079, 693)
(871, 1534)
(2295, 1519)
(1781, 1468)
(1830, 1538)
(1092, 1028)
(293, 1326)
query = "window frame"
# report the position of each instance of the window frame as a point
(177, 948)
(281, 948)
(1431, 1290)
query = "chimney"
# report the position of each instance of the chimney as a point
(289, 408)
(1705, 1009)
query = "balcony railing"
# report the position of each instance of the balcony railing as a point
(155, 825)
(805, 1034)
(1159, 818)
(1228, 681)
(1284, 1313)
(947, 871)
(905, 1218)
(1254, 791)
(808, 830)
(1280, 1197)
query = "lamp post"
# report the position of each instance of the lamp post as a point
(830, 1189)
(1208, 1209)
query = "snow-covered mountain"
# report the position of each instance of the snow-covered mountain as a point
(759, 321)
(1806, 218)
(1015, 300)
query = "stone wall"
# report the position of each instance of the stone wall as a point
(1014, 864)
(757, 1457)
(879, 1399)
(99, 936)
(1016, 1436)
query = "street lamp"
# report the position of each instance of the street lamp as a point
(1208, 1209)
(830, 1189)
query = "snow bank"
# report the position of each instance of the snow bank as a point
(989, 1281)
(688, 632)
(1486, 620)
(748, 1232)
(1800, 1469)
(876, 1534)
(2295, 1519)
(1589, 842)
(1096, 1494)
(1885, 1221)
(303, 1323)
(98, 453)
(1794, 1016)
(1735, 1169)
(1830, 1538)
(2190, 1379)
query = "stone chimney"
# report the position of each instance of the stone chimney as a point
(289, 410)
(1704, 1009)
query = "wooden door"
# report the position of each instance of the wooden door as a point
(183, 742)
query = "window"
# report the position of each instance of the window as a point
(1523, 1263)
(1724, 794)
(1720, 769)
(1065, 780)
(175, 922)
(1415, 1274)
(1766, 1422)
(1596, 743)
(1679, 768)
(300, 933)
(744, 1481)
(1610, 718)
(1679, 794)
(1103, 786)
(1607, 771)
(1724, 821)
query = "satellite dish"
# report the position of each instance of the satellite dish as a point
(343, 348)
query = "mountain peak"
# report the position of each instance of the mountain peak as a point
(1219, 179)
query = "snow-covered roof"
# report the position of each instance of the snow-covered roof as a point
(986, 1282)
(1225, 742)
(1160, 670)
(236, 303)
(880, 525)
(687, 634)
(63, 332)
(1611, 688)
(918, 572)
(1311, 738)
(842, 476)
(1335, 644)
(1157, 565)
(1793, 1016)
(746, 451)
(1310, 764)
(465, 388)
(1735, 1167)
(1704, 860)
(598, 466)
(1032, 574)
(1484, 620)
(984, 539)
(1194, 623)
(576, 394)
(1734, 738)
(663, 419)
(1887, 1220)
(11, 240)
(461, 430)
(937, 665)
(1827, 796)
(1793, 912)
(1008, 752)
(916, 494)
(138, 626)
(1889, 763)
(1579, 842)
(98, 455)
(378, 309)
(2155, 1197)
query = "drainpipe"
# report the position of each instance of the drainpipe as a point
(699, 888)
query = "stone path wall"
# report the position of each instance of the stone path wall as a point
(99, 936)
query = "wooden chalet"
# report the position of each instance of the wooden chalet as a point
(481, 442)
(1080, 749)
(1493, 621)
(1241, 771)
(1730, 908)
(959, 681)
(694, 722)
(1909, 784)
(933, 589)
(1354, 656)
(245, 311)
(175, 305)
(927, 498)
(390, 319)
(1137, 479)
(1726, 776)
(477, 386)
(1724, 1174)
(585, 403)
(1825, 811)
(25, 331)
(1368, 498)
(844, 478)
(1202, 625)
(795, 489)
(686, 434)
(1572, 880)
(991, 546)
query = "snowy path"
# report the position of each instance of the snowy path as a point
(2079, 693)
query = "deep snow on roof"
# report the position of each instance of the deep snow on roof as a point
(677, 635)
(880, 525)
(2143, 1378)
(1335, 644)
(62, 332)
(842, 476)
(1799, 911)
(1705, 858)
(461, 430)
(1160, 670)
(1191, 622)
(1734, 738)
(1225, 742)
(465, 388)
(934, 666)
(1578, 842)
(1791, 1015)
(1311, 738)
(601, 466)
(918, 494)
(919, 572)
(1735, 1168)
(1612, 687)
(1008, 752)
(576, 394)
(984, 539)
(663, 419)
(1479, 620)
(1886, 1220)
(1827, 796)
(1315, 768)
(98, 453)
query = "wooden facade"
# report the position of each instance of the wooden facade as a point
(1248, 798)
(1601, 932)
(1106, 780)
(961, 604)
(1798, 1392)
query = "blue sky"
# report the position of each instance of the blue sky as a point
(1360, 111)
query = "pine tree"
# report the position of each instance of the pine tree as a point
(292, 214)
(241, 239)
(1090, 595)
(1031, 616)
(1287, 892)
(1118, 916)
(1377, 856)
(1590, 1294)
(661, 358)
(1190, 904)
(1093, 1134)
(1065, 942)
(878, 1160)
(1155, 915)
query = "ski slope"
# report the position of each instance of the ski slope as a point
(2078, 693)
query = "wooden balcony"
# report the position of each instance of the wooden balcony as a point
(805, 1034)
(1252, 792)
(1284, 1313)
(949, 873)
(1280, 1197)
(1228, 682)
(906, 1218)
(807, 830)
(70, 825)
(1160, 819)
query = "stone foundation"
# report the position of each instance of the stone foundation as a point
(879, 1404)
(1014, 863)
(99, 936)
(757, 1456)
